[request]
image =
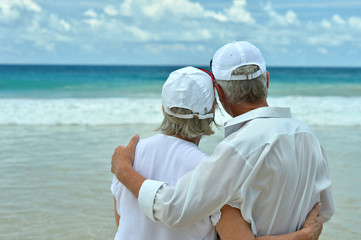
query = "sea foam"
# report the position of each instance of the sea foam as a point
(316, 111)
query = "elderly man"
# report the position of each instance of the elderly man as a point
(270, 165)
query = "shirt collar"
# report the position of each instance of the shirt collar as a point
(238, 122)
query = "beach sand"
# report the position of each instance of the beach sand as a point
(55, 180)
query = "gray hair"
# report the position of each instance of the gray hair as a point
(186, 128)
(240, 91)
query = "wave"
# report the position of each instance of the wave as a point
(316, 111)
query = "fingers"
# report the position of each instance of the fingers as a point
(317, 208)
(133, 142)
(124, 154)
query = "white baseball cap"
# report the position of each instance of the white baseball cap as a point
(234, 55)
(190, 88)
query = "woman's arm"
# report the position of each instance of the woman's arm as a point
(117, 217)
(232, 226)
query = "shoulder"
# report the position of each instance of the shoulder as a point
(149, 141)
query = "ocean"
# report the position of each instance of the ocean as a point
(59, 126)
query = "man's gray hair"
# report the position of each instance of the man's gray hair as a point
(240, 91)
(186, 128)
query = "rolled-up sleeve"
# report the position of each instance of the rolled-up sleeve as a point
(147, 195)
(199, 193)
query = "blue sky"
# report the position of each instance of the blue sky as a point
(179, 32)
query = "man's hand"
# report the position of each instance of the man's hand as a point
(314, 223)
(123, 158)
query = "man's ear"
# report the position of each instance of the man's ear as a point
(267, 80)
(220, 92)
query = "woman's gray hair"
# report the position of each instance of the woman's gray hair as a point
(186, 128)
(240, 91)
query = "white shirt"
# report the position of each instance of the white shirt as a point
(162, 158)
(270, 165)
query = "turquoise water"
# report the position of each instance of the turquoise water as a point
(139, 81)
(113, 95)
(59, 126)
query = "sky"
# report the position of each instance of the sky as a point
(179, 32)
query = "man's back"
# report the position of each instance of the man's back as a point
(287, 175)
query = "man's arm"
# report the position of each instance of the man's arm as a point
(232, 226)
(196, 194)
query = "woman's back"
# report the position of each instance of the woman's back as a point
(164, 158)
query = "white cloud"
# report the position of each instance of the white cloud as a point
(126, 8)
(290, 18)
(13, 9)
(8, 5)
(110, 10)
(137, 33)
(238, 13)
(90, 13)
(65, 24)
(171, 10)
(93, 22)
(323, 51)
(28, 4)
(355, 22)
(161, 26)
(327, 39)
(333, 32)
(25, 23)
(217, 16)
(325, 24)
(338, 20)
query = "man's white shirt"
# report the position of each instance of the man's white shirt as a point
(270, 166)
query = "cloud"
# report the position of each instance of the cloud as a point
(161, 26)
(326, 24)
(11, 10)
(164, 20)
(90, 13)
(26, 23)
(328, 39)
(65, 24)
(159, 10)
(338, 20)
(238, 13)
(355, 23)
(335, 32)
(323, 51)
(290, 18)
(110, 10)
(129, 21)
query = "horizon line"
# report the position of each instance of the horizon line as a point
(160, 65)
